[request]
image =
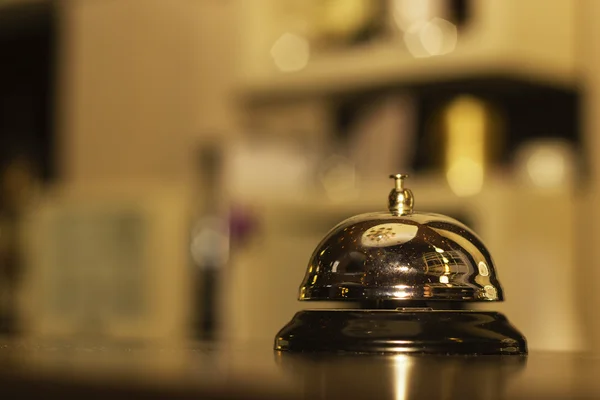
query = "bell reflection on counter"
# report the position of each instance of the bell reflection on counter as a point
(402, 376)
(416, 270)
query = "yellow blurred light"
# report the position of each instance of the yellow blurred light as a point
(340, 18)
(444, 279)
(465, 123)
(290, 52)
(465, 177)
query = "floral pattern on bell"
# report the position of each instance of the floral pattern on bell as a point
(388, 234)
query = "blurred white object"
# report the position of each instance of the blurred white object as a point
(209, 245)
(435, 37)
(408, 13)
(110, 266)
(290, 52)
(423, 26)
(546, 164)
(267, 168)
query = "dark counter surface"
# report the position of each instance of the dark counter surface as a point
(201, 370)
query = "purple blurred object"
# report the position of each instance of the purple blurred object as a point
(243, 223)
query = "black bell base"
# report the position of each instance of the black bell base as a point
(401, 331)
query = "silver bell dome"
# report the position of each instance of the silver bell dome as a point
(401, 254)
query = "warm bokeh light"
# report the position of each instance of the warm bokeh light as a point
(425, 34)
(465, 125)
(438, 36)
(290, 52)
(546, 167)
(432, 38)
(402, 372)
(409, 12)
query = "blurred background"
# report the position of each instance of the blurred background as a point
(167, 167)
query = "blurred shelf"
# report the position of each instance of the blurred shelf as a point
(372, 69)
(524, 41)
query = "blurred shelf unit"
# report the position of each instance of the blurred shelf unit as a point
(524, 40)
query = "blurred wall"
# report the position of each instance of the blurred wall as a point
(142, 81)
(588, 54)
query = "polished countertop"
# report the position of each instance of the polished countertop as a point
(209, 370)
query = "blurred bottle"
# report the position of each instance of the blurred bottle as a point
(209, 244)
(465, 140)
(18, 187)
